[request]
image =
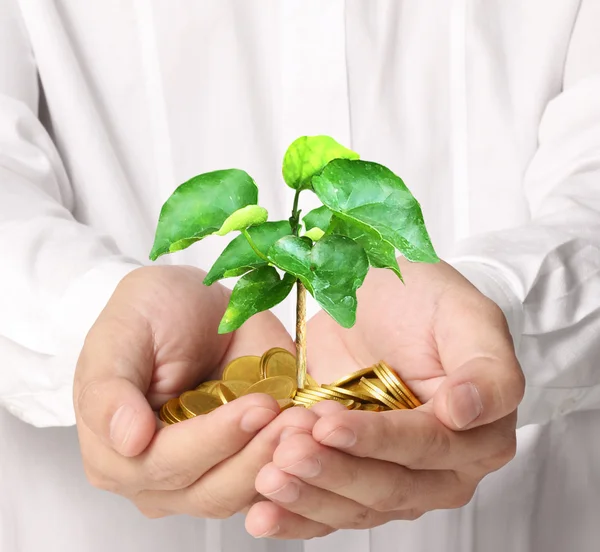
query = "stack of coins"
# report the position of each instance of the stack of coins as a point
(376, 389)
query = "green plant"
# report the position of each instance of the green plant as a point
(367, 215)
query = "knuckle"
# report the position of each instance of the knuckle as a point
(434, 442)
(507, 451)
(208, 504)
(361, 519)
(152, 513)
(95, 479)
(411, 515)
(461, 497)
(84, 392)
(396, 497)
(162, 471)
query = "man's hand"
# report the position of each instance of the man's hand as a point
(361, 469)
(156, 338)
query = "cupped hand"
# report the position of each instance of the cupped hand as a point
(156, 338)
(451, 345)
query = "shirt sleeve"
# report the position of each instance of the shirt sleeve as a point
(546, 275)
(56, 274)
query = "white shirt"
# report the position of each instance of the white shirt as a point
(490, 112)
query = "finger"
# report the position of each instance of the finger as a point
(416, 439)
(314, 503)
(113, 372)
(485, 382)
(381, 486)
(183, 452)
(229, 487)
(479, 392)
(325, 408)
(266, 519)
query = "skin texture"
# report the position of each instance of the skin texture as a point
(294, 474)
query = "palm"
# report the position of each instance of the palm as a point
(398, 323)
(179, 316)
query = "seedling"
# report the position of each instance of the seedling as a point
(368, 214)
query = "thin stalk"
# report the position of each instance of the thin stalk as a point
(253, 246)
(300, 306)
(300, 334)
(295, 219)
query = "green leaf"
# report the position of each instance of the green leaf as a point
(251, 215)
(372, 197)
(307, 156)
(315, 234)
(332, 270)
(380, 253)
(255, 292)
(318, 218)
(238, 257)
(199, 207)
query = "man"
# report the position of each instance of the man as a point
(490, 113)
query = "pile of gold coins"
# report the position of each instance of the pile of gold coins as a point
(377, 388)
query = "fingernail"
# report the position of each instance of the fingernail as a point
(122, 424)
(308, 467)
(289, 431)
(288, 493)
(342, 437)
(268, 533)
(464, 405)
(256, 418)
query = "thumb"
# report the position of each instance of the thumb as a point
(479, 392)
(113, 373)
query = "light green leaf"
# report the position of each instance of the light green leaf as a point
(332, 270)
(315, 234)
(372, 197)
(318, 218)
(307, 156)
(255, 292)
(199, 207)
(380, 253)
(238, 257)
(251, 215)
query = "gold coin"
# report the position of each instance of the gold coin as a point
(317, 396)
(225, 394)
(174, 410)
(326, 391)
(208, 386)
(164, 415)
(279, 387)
(238, 387)
(278, 362)
(348, 403)
(302, 405)
(377, 382)
(381, 396)
(196, 403)
(306, 401)
(405, 389)
(312, 382)
(311, 397)
(349, 378)
(246, 368)
(391, 387)
(372, 407)
(284, 404)
(345, 393)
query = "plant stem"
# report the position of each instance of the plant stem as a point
(300, 306)
(295, 219)
(253, 246)
(300, 334)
